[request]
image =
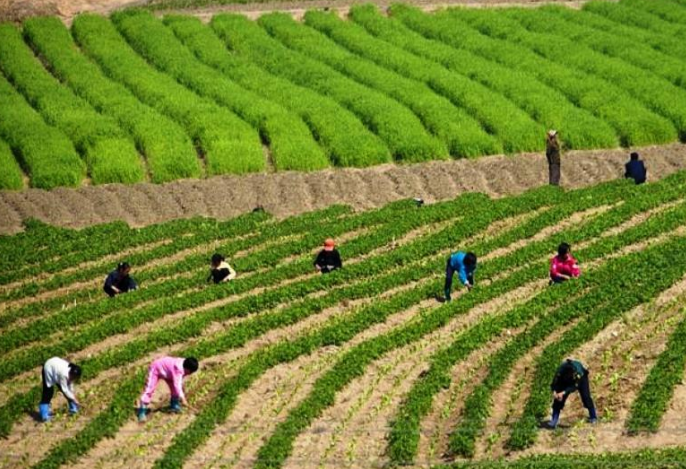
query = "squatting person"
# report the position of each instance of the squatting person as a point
(571, 376)
(635, 169)
(58, 372)
(119, 281)
(465, 266)
(328, 259)
(220, 270)
(172, 370)
(563, 266)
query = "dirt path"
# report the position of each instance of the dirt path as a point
(290, 193)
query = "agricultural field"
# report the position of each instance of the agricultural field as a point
(363, 367)
(140, 98)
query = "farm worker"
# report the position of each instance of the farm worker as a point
(563, 266)
(465, 265)
(328, 258)
(635, 169)
(571, 376)
(220, 270)
(60, 373)
(552, 154)
(119, 280)
(172, 370)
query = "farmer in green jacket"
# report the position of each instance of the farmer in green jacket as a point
(571, 376)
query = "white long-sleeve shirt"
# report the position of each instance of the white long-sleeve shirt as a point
(56, 372)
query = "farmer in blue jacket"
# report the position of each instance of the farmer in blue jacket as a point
(635, 169)
(465, 265)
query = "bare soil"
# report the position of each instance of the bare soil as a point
(289, 193)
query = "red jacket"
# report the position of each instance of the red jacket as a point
(567, 266)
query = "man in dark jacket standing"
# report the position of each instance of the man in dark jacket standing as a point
(635, 169)
(571, 376)
(328, 258)
(552, 154)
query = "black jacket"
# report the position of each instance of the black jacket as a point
(635, 170)
(328, 260)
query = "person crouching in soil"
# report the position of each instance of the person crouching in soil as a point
(172, 370)
(563, 266)
(220, 270)
(328, 258)
(119, 281)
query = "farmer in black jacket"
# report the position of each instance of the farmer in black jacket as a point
(328, 258)
(571, 376)
(119, 281)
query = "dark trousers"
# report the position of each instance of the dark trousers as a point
(554, 169)
(122, 288)
(48, 393)
(585, 392)
(449, 273)
(557, 280)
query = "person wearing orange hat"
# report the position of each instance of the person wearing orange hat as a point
(328, 258)
(552, 154)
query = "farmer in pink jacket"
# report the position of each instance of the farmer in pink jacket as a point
(563, 266)
(172, 370)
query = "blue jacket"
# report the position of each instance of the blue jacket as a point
(635, 170)
(457, 264)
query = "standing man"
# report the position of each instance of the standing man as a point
(60, 373)
(119, 281)
(571, 376)
(465, 266)
(328, 258)
(552, 154)
(635, 169)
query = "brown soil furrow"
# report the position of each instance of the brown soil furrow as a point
(329, 436)
(438, 179)
(448, 404)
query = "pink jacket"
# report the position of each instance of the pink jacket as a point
(567, 266)
(170, 369)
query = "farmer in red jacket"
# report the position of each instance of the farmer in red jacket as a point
(563, 266)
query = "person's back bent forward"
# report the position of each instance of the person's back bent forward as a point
(119, 281)
(328, 258)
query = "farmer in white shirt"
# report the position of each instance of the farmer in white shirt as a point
(60, 373)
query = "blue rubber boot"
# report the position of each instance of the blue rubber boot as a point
(73, 408)
(142, 413)
(44, 410)
(175, 405)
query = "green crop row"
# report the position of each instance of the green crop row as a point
(656, 393)
(168, 150)
(347, 140)
(397, 126)
(673, 16)
(579, 128)
(290, 141)
(510, 124)
(570, 24)
(620, 20)
(634, 123)
(11, 177)
(45, 153)
(668, 264)
(229, 144)
(108, 151)
(655, 93)
(460, 132)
